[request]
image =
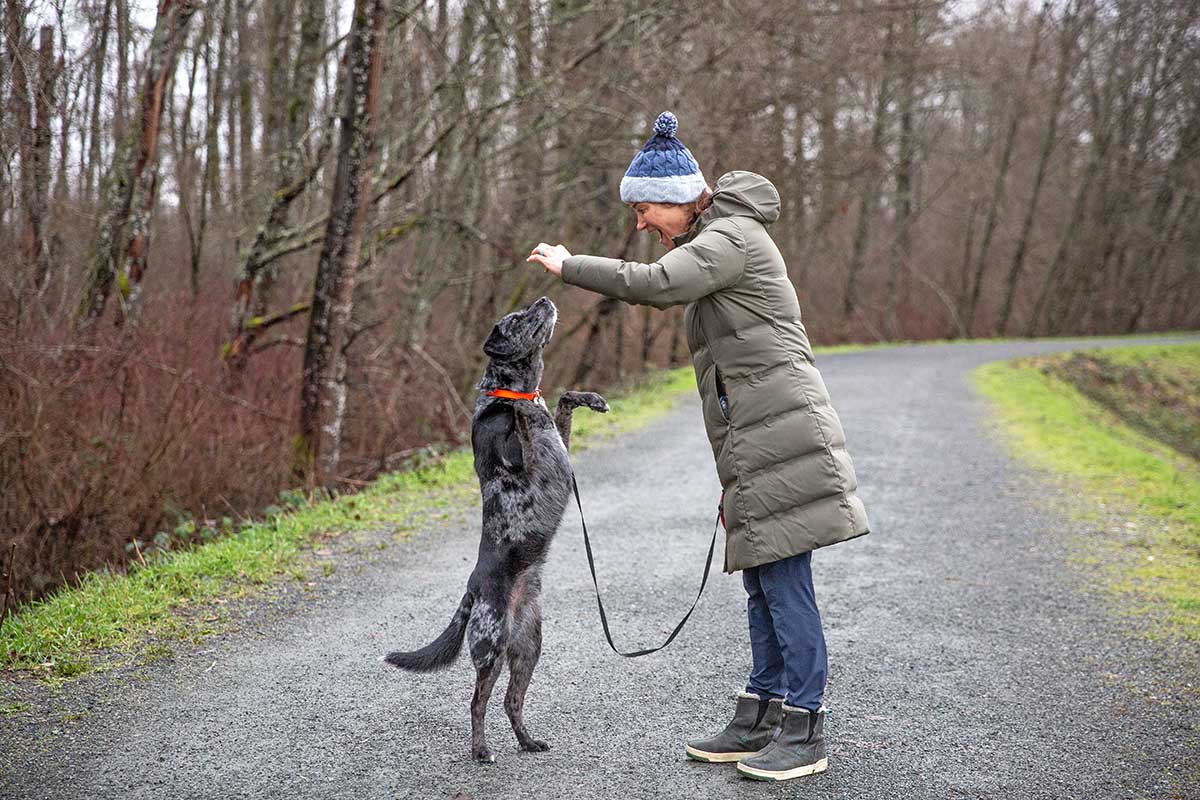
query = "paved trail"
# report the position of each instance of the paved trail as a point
(967, 658)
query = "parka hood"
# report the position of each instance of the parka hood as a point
(744, 194)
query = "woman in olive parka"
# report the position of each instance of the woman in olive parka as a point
(779, 446)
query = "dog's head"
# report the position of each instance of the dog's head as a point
(515, 348)
(522, 334)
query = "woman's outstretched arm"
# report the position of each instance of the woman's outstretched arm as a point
(713, 260)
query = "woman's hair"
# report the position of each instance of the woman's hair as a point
(699, 204)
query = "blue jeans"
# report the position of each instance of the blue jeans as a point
(786, 639)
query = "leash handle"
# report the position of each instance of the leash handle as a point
(600, 603)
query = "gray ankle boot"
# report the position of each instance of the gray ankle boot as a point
(755, 721)
(798, 749)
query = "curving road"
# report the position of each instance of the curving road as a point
(968, 659)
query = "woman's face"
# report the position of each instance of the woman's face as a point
(668, 220)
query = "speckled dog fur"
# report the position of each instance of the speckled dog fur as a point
(525, 481)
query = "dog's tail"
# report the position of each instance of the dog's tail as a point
(442, 651)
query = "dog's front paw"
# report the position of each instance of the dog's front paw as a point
(597, 403)
(590, 399)
(483, 755)
(535, 746)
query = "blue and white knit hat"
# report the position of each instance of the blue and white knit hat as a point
(663, 171)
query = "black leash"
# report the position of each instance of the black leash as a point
(600, 603)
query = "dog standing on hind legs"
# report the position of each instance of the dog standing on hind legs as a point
(525, 482)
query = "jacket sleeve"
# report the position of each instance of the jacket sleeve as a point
(713, 260)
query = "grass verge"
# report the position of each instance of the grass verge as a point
(1085, 420)
(111, 617)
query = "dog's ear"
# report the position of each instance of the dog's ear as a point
(498, 345)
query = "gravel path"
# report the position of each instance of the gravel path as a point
(967, 658)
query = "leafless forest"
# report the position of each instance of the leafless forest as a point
(251, 245)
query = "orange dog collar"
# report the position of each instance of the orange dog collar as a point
(511, 395)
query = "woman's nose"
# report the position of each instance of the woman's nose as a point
(641, 225)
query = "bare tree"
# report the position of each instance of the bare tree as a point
(100, 54)
(1068, 36)
(21, 108)
(1006, 151)
(323, 387)
(872, 176)
(120, 246)
(901, 251)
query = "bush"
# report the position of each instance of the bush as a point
(145, 437)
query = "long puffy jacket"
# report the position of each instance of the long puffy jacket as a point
(779, 445)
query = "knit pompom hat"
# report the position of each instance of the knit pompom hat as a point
(663, 171)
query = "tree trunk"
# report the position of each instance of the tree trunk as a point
(21, 109)
(323, 388)
(296, 167)
(591, 346)
(452, 198)
(674, 358)
(1170, 195)
(993, 214)
(121, 92)
(245, 115)
(121, 242)
(869, 193)
(277, 111)
(1054, 273)
(43, 140)
(1068, 38)
(215, 83)
(830, 182)
(185, 160)
(94, 153)
(649, 333)
(1064, 274)
(902, 246)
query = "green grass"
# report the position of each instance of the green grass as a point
(1155, 390)
(117, 618)
(11, 709)
(1106, 438)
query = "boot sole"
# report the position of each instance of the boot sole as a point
(715, 758)
(784, 774)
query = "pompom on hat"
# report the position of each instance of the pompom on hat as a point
(663, 171)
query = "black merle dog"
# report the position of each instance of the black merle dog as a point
(525, 479)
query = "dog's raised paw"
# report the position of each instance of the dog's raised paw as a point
(594, 401)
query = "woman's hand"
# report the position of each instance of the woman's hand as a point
(551, 257)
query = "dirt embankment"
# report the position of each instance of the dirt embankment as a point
(1156, 391)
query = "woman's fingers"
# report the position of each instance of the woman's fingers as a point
(551, 257)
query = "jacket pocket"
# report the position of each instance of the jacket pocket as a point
(722, 395)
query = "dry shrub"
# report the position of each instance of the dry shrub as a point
(144, 435)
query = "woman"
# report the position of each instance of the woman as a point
(779, 446)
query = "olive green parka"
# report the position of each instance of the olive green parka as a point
(780, 448)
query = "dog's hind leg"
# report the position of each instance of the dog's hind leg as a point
(524, 650)
(485, 681)
(487, 634)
